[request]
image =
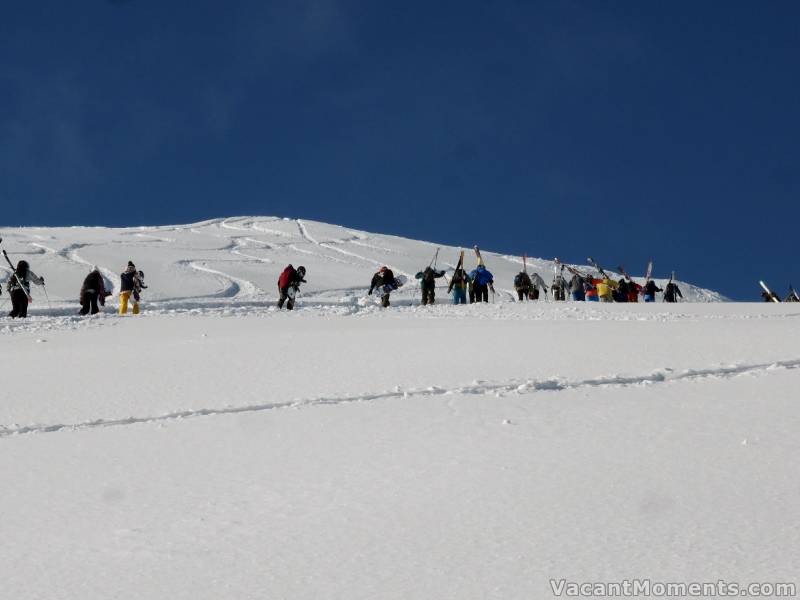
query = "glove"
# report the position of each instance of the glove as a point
(42, 278)
(369, 293)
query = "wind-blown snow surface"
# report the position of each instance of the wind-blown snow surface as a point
(216, 448)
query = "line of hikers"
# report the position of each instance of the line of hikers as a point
(585, 288)
(473, 286)
(93, 292)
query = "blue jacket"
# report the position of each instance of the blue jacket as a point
(481, 276)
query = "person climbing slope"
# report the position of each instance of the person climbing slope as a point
(131, 284)
(459, 283)
(536, 283)
(634, 289)
(576, 289)
(482, 282)
(650, 290)
(19, 288)
(288, 285)
(523, 285)
(385, 280)
(93, 292)
(672, 292)
(427, 283)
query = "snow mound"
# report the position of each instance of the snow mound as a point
(235, 262)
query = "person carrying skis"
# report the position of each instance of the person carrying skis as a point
(131, 284)
(427, 283)
(536, 283)
(576, 289)
(621, 293)
(605, 289)
(385, 280)
(672, 292)
(590, 288)
(634, 289)
(289, 284)
(458, 285)
(19, 288)
(650, 290)
(523, 285)
(559, 288)
(93, 291)
(792, 296)
(482, 282)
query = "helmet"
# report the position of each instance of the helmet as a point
(382, 269)
(301, 270)
(22, 267)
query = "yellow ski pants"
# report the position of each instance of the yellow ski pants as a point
(124, 297)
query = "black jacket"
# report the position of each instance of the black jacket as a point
(671, 291)
(381, 278)
(651, 288)
(428, 277)
(93, 283)
(127, 281)
(522, 281)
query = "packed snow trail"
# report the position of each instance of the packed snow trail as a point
(494, 388)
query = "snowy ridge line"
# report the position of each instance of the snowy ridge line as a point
(526, 386)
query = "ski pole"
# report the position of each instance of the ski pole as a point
(49, 306)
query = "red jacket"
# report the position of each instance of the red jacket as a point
(289, 274)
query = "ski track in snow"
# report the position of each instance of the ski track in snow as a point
(70, 254)
(237, 287)
(498, 389)
(304, 233)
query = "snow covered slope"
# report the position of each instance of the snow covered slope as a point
(227, 262)
(215, 447)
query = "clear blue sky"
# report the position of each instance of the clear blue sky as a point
(621, 130)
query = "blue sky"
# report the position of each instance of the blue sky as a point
(620, 130)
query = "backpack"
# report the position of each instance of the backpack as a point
(286, 277)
